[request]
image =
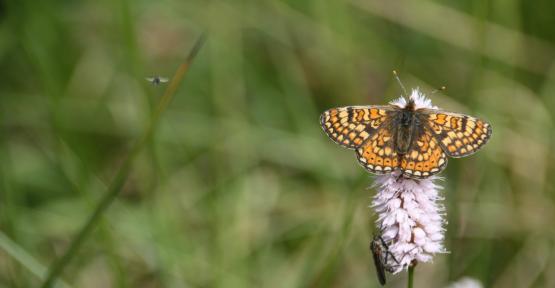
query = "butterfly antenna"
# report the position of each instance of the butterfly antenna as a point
(442, 88)
(400, 83)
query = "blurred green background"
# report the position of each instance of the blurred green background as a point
(239, 187)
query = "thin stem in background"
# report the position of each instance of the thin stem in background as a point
(25, 259)
(121, 176)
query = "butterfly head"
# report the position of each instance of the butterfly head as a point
(411, 105)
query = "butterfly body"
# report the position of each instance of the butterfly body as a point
(405, 123)
(413, 139)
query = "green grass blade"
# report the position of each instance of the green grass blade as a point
(24, 258)
(122, 174)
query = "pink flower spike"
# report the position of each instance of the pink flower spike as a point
(410, 217)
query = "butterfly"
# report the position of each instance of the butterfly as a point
(381, 255)
(406, 136)
(156, 80)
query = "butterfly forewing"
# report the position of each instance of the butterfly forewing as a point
(351, 126)
(459, 135)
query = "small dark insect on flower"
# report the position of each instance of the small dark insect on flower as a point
(381, 254)
(156, 80)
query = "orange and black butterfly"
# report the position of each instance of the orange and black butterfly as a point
(414, 140)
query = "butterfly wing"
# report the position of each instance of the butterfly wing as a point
(366, 129)
(425, 156)
(378, 154)
(351, 126)
(458, 135)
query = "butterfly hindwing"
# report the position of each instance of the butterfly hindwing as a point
(425, 156)
(378, 154)
(351, 126)
(459, 135)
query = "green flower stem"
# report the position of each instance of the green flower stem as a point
(121, 176)
(410, 282)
